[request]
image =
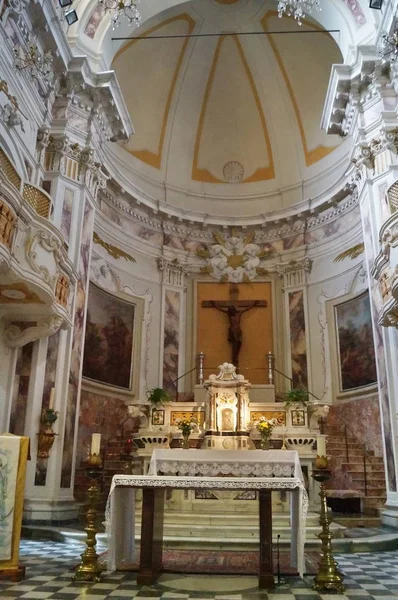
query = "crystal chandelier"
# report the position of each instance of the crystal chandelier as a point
(38, 65)
(297, 8)
(122, 8)
(388, 47)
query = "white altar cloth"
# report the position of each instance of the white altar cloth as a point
(236, 463)
(120, 508)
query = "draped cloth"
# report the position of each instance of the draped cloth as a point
(208, 469)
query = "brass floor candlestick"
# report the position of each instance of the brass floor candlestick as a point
(89, 569)
(328, 577)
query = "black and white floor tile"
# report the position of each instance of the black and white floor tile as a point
(368, 576)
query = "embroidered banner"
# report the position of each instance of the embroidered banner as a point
(9, 458)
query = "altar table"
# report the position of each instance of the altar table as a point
(120, 510)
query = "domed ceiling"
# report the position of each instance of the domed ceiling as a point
(232, 116)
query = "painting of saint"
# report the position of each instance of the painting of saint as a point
(108, 348)
(355, 343)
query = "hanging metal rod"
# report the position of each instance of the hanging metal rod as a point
(238, 33)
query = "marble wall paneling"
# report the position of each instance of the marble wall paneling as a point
(384, 203)
(298, 343)
(171, 339)
(362, 415)
(98, 414)
(66, 217)
(21, 388)
(101, 414)
(77, 346)
(49, 383)
(384, 400)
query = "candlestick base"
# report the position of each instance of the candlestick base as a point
(328, 577)
(89, 569)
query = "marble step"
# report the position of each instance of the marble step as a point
(238, 532)
(229, 520)
(336, 443)
(357, 467)
(233, 527)
(378, 476)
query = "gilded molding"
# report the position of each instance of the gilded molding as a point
(352, 253)
(112, 250)
(62, 290)
(7, 224)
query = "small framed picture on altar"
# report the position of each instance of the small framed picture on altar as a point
(298, 418)
(158, 417)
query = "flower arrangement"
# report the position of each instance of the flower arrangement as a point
(185, 426)
(265, 427)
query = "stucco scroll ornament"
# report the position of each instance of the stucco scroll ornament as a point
(16, 336)
(389, 140)
(50, 243)
(10, 113)
(227, 372)
(17, 6)
(235, 259)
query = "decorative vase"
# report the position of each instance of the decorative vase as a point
(185, 441)
(265, 443)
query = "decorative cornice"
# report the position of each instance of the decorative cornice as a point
(271, 230)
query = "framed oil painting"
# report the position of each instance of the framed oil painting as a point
(356, 354)
(108, 347)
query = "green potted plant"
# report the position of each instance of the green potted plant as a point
(296, 397)
(158, 396)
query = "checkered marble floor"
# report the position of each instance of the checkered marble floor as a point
(368, 576)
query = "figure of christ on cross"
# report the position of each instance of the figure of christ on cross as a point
(234, 309)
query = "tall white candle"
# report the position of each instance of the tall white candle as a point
(52, 394)
(321, 445)
(95, 443)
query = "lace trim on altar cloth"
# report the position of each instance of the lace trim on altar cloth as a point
(193, 469)
(220, 484)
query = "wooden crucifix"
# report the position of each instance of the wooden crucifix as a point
(234, 309)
